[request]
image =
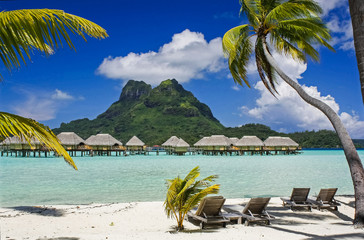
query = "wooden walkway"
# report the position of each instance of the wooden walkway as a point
(121, 152)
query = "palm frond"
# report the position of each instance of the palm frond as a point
(21, 31)
(249, 8)
(238, 48)
(195, 199)
(294, 9)
(303, 34)
(285, 47)
(265, 70)
(13, 125)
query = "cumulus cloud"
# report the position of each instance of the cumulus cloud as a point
(42, 106)
(188, 56)
(289, 108)
(343, 33)
(328, 5)
(337, 16)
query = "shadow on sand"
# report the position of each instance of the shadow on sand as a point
(44, 211)
(59, 238)
(351, 236)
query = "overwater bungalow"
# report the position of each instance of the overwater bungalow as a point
(103, 143)
(135, 144)
(276, 144)
(214, 144)
(249, 143)
(169, 143)
(20, 146)
(217, 143)
(71, 141)
(19, 143)
(198, 144)
(180, 147)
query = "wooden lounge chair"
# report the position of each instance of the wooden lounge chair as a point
(254, 211)
(298, 199)
(325, 199)
(209, 211)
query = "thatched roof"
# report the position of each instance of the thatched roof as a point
(17, 140)
(280, 141)
(249, 141)
(135, 141)
(70, 138)
(171, 141)
(234, 140)
(217, 140)
(102, 140)
(200, 142)
(290, 142)
(181, 143)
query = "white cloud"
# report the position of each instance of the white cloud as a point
(59, 95)
(328, 5)
(337, 16)
(236, 87)
(288, 108)
(188, 56)
(343, 33)
(42, 106)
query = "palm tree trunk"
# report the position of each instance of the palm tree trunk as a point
(352, 157)
(357, 19)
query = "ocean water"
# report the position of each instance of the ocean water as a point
(39, 181)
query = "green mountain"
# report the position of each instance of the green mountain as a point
(151, 114)
(155, 114)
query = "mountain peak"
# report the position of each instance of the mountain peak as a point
(170, 85)
(152, 114)
(133, 90)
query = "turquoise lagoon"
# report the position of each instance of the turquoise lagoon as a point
(41, 181)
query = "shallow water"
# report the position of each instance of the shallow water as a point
(38, 181)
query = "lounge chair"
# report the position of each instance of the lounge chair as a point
(298, 199)
(254, 211)
(325, 199)
(209, 211)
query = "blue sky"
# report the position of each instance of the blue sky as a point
(156, 40)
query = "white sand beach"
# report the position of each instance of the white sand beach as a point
(147, 220)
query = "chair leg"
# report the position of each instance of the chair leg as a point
(202, 225)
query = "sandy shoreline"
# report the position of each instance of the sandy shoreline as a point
(147, 220)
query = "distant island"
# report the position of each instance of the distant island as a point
(155, 114)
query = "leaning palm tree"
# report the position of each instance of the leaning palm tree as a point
(357, 19)
(293, 28)
(21, 33)
(184, 194)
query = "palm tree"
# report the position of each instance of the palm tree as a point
(357, 19)
(293, 28)
(184, 194)
(22, 32)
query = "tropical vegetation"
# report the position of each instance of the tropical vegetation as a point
(185, 194)
(154, 115)
(293, 28)
(21, 33)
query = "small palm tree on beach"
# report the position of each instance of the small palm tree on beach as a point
(185, 194)
(293, 28)
(21, 33)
